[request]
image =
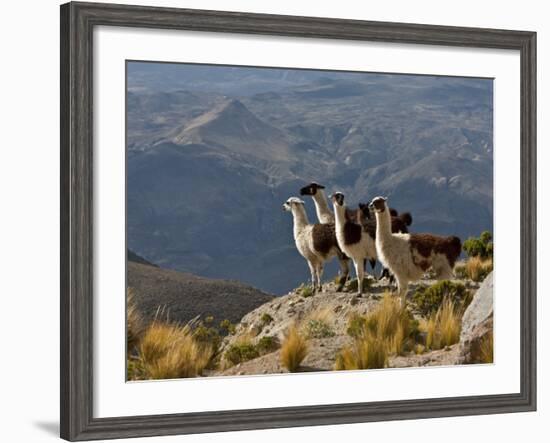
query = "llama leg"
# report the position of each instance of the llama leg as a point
(372, 262)
(344, 272)
(312, 271)
(360, 273)
(319, 277)
(402, 286)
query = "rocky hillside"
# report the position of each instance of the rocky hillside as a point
(324, 319)
(183, 296)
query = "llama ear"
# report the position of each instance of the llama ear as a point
(320, 186)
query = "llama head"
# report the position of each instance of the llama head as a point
(378, 204)
(292, 202)
(365, 210)
(311, 189)
(337, 199)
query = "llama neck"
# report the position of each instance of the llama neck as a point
(300, 219)
(383, 224)
(324, 214)
(339, 217)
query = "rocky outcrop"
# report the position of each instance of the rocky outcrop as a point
(477, 325)
(272, 320)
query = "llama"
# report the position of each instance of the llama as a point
(408, 256)
(325, 215)
(315, 242)
(354, 239)
(399, 224)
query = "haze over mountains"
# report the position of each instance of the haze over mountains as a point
(213, 152)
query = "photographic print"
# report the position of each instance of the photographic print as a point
(286, 220)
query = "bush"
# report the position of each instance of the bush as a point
(134, 369)
(208, 337)
(170, 351)
(305, 291)
(366, 353)
(266, 319)
(460, 270)
(293, 350)
(267, 345)
(227, 326)
(442, 328)
(241, 352)
(479, 247)
(428, 299)
(318, 329)
(477, 269)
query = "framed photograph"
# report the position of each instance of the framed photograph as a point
(273, 221)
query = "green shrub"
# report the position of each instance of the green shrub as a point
(227, 326)
(266, 319)
(267, 345)
(134, 369)
(318, 329)
(428, 299)
(241, 352)
(207, 336)
(305, 291)
(479, 247)
(460, 270)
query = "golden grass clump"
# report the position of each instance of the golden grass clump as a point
(390, 322)
(134, 321)
(388, 329)
(486, 349)
(442, 328)
(367, 352)
(170, 351)
(477, 269)
(293, 350)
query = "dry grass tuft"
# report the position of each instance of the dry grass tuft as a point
(390, 322)
(477, 268)
(293, 350)
(442, 328)
(170, 351)
(134, 321)
(366, 353)
(486, 349)
(388, 329)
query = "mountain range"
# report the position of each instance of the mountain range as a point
(213, 152)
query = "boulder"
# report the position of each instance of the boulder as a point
(477, 324)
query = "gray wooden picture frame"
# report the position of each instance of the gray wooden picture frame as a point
(77, 23)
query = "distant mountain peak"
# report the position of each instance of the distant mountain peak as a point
(230, 123)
